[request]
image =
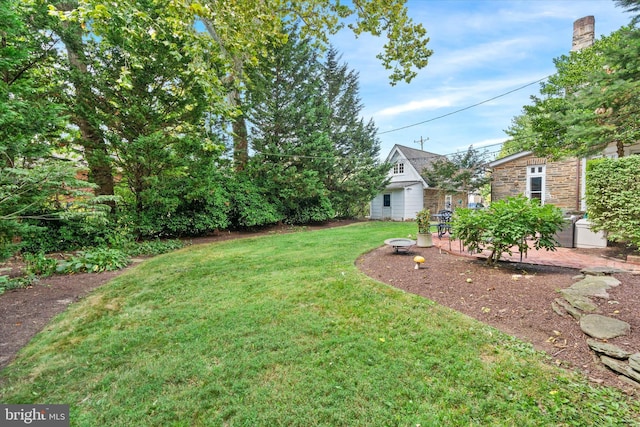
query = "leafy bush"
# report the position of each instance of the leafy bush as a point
(308, 211)
(153, 247)
(39, 265)
(177, 206)
(423, 219)
(95, 261)
(508, 223)
(248, 205)
(612, 198)
(83, 224)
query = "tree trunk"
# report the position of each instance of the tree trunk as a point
(240, 143)
(239, 125)
(95, 149)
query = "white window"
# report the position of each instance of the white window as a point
(398, 168)
(536, 182)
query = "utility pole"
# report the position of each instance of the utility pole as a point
(422, 141)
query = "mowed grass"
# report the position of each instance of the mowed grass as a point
(283, 330)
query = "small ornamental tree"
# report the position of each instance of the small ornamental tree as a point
(612, 198)
(514, 222)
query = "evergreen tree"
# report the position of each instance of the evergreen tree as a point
(357, 175)
(293, 153)
(606, 109)
(589, 103)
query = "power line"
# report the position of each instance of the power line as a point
(465, 108)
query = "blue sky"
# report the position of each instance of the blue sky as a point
(482, 49)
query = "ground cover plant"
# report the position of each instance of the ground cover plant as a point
(284, 330)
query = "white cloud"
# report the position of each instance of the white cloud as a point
(427, 104)
(460, 96)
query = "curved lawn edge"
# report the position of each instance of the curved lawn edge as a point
(286, 330)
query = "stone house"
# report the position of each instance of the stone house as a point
(407, 192)
(558, 182)
(555, 182)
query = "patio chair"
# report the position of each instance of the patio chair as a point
(444, 226)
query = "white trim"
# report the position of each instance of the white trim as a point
(539, 171)
(508, 159)
(448, 202)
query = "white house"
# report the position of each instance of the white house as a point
(404, 195)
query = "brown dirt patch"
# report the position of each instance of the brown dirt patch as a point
(514, 298)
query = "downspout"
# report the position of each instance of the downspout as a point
(583, 187)
(578, 184)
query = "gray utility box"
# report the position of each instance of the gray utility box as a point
(565, 236)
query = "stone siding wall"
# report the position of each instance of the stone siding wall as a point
(563, 184)
(434, 200)
(561, 180)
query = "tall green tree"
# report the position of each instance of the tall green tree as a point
(547, 126)
(606, 109)
(80, 98)
(289, 120)
(158, 102)
(357, 174)
(241, 34)
(35, 181)
(520, 134)
(29, 115)
(244, 31)
(131, 66)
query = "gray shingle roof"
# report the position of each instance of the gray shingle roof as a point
(419, 159)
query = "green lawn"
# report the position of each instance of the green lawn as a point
(284, 330)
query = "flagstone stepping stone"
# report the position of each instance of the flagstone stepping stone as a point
(634, 361)
(579, 301)
(603, 327)
(595, 286)
(601, 271)
(621, 367)
(608, 349)
(562, 307)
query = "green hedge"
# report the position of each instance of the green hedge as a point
(613, 198)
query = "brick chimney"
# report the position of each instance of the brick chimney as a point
(583, 33)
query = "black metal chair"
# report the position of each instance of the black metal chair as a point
(444, 226)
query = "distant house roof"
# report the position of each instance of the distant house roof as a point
(419, 159)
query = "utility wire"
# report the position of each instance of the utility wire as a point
(465, 108)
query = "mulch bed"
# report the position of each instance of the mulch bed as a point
(514, 298)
